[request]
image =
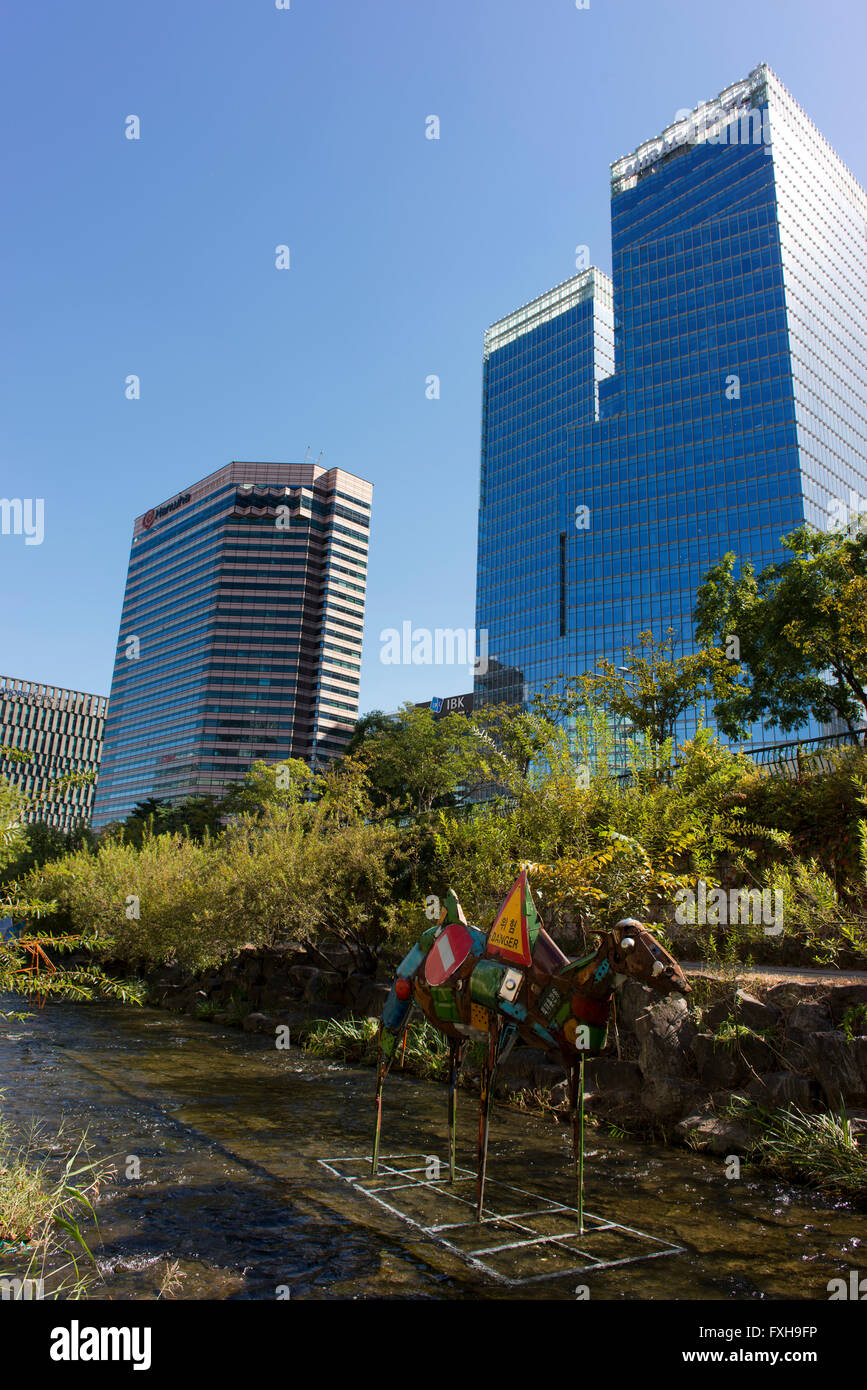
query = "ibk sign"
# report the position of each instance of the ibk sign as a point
(451, 704)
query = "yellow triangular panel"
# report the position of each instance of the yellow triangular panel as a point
(509, 937)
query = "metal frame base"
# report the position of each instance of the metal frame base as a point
(538, 1231)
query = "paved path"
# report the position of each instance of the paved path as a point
(779, 972)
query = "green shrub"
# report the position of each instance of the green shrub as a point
(854, 1022)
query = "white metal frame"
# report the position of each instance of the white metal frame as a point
(394, 1179)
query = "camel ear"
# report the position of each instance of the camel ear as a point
(629, 925)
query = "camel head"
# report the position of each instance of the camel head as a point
(635, 952)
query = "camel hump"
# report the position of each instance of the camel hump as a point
(452, 911)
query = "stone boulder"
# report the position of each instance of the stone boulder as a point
(665, 1034)
(808, 1018)
(258, 1023)
(844, 997)
(671, 1097)
(325, 987)
(611, 1074)
(530, 1068)
(274, 998)
(743, 1008)
(613, 1088)
(559, 1096)
(858, 1121)
(719, 1067)
(788, 995)
(168, 975)
(776, 1089)
(758, 1055)
(719, 1134)
(722, 1065)
(839, 1066)
(365, 995)
(298, 976)
(632, 999)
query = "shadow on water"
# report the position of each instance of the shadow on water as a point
(227, 1131)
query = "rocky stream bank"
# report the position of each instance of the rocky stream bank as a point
(672, 1066)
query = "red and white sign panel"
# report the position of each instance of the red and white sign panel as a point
(447, 954)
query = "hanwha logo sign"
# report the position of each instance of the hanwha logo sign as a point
(157, 513)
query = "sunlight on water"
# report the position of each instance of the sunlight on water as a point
(227, 1131)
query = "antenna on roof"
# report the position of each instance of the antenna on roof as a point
(321, 452)
(307, 455)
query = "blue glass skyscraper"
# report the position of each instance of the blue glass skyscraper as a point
(711, 398)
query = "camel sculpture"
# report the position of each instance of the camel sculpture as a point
(514, 981)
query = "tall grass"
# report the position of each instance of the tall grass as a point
(819, 1149)
(41, 1208)
(355, 1040)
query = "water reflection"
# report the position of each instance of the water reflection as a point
(227, 1130)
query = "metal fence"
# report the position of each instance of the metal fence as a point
(799, 758)
(803, 757)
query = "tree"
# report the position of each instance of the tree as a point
(798, 632)
(374, 722)
(22, 947)
(195, 817)
(266, 785)
(510, 740)
(652, 688)
(342, 792)
(41, 843)
(415, 761)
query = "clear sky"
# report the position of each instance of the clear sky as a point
(306, 127)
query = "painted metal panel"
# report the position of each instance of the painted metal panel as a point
(447, 954)
(485, 983)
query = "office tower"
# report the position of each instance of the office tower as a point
(240, 635)
(710, 397)
(61, 731)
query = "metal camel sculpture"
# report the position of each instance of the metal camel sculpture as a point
(514, 981)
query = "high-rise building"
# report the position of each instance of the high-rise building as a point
(240, 635)
(708, 399)
(60, 732)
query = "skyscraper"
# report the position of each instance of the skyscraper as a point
(61, 733)
(241, 631)
(711, 398)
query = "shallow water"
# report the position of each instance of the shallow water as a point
(228, 1130)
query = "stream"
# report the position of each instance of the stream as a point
(227, 1130)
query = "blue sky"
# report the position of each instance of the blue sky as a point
(306, 126)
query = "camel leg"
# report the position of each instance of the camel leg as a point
(576, 1105)
(382, 1065)
(486, 1094)
(455, 1054)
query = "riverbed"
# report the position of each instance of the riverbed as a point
(227, 1130)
